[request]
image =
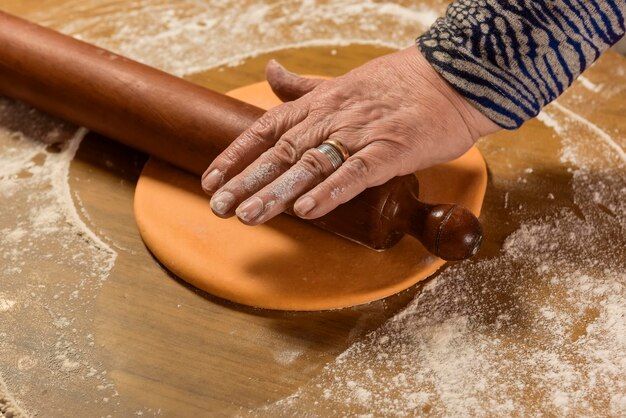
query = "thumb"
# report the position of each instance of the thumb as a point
(287, 85)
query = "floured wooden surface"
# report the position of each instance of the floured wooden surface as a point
(90, 325)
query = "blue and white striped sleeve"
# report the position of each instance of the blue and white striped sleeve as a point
(510, 58)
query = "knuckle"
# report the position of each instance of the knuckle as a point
(233, 154)
(287, 150)
(360, 168)
(312, 162)
(265, 125)
(276, 120)
(323, 108)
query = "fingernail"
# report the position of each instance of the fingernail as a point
(212, 180)
(250, 209)
(222, 202)
(275, 62)
(304, 205)
(282, 67)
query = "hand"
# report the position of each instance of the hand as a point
(395, 115)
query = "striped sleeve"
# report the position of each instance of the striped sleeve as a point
(510, 58)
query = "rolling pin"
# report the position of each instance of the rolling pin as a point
(188, 126)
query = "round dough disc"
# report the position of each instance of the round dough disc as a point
(286, 264)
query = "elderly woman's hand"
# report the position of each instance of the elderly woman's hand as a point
(395, 115)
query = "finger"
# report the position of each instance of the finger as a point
(253, 142)
(270, 165)
(365, 169)
(278, 196)
(287, 85)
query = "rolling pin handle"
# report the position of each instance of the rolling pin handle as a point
(448, 231)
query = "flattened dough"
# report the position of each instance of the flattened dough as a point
(286, 264)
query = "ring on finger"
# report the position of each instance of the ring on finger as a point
(335, 151)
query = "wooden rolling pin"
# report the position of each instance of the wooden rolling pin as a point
(188, 125)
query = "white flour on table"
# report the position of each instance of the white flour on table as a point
(181, 38)
(51, 264)
(444, 354)
(196, 35)
(553, 339)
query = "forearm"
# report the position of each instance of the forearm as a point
(511, 58)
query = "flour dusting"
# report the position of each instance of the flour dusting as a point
(182, 38)
(9, 408)
(191, 36)
(52, 264)
(589, 85)
(539, 329)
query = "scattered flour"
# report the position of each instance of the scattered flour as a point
(288, 181)
(337, 192)
(539, 329)
(51, 264)
(589, 85)
(6, 304)
(287, 357)
(9, 408)
(191, 36)
(532, 331)
(599, 133)
(182, 38)
(264, 173)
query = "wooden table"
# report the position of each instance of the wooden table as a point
(168, 349)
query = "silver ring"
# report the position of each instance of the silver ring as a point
(332, 152)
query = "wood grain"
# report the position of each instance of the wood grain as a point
(176, 351)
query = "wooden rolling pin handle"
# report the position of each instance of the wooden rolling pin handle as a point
(188, 125)
(448, 231)
(380, 216)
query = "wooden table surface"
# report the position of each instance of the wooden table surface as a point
(168, 349)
